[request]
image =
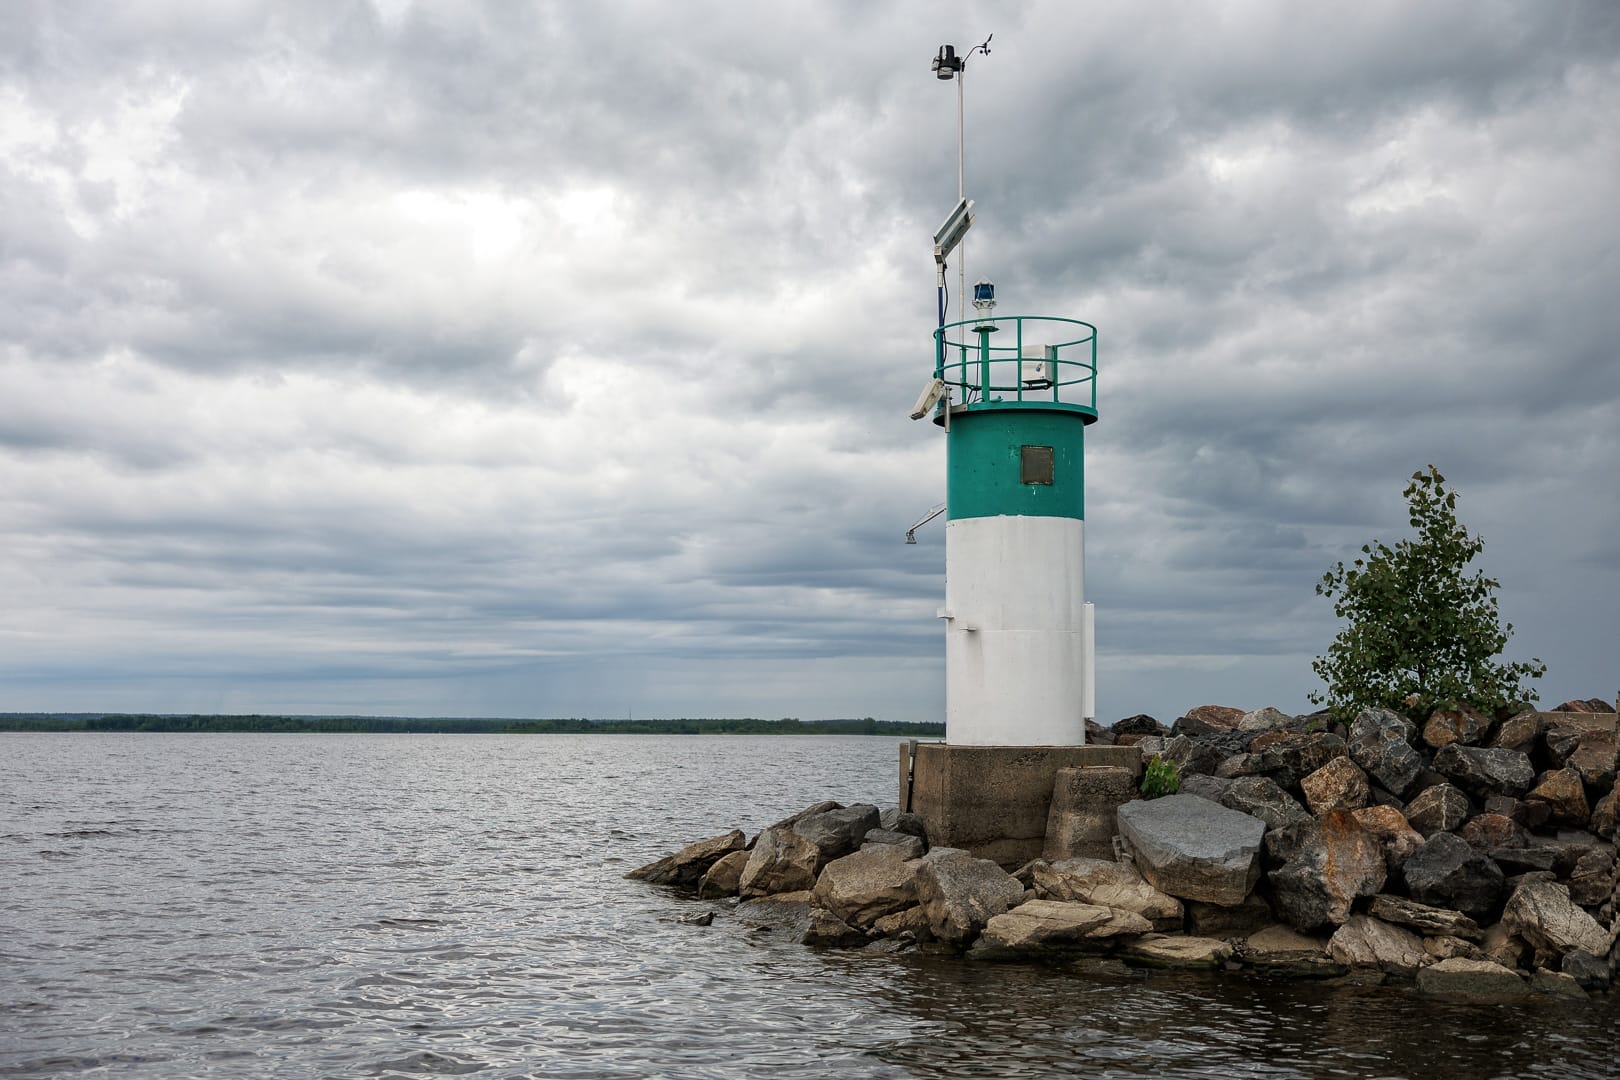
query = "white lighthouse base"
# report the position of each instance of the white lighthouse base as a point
(1015, 640)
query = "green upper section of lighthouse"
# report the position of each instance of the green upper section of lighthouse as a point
(1020, 397)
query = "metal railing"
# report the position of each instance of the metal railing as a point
(1019, 361)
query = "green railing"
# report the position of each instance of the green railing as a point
(1040, 360)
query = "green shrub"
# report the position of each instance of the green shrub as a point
(1161, 778)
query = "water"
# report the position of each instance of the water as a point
(399, 905)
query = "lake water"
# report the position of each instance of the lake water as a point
(404, 905)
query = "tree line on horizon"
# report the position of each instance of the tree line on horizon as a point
(460, 725)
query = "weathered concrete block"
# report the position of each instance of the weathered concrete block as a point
(1193, 848)
(1083, 817)
(994, 801)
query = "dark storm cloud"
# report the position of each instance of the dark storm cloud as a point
(490, 346)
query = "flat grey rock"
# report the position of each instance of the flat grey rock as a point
(1192, 848)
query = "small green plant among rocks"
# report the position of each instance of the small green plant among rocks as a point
(1160, 778)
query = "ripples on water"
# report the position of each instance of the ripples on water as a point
(395, 905)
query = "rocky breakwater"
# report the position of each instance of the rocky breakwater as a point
(1471, 855)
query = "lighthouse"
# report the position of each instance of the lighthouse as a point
(1014, 395)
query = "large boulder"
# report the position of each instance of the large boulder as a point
(1381, 743)
(1594, 758)
(1282, 951)
(781, 861)
(1140, 724)
(896, 820)
(1193, 848)
(1482, 771)
(814, 808)
(1448, 872)
(1542, 913)
(1565, 795)
(1466, 725)
(864, 886)
(1520, 731)
(1605, 817)
(1368, 942)
(838, 832)
(1592, 880)
(1292, 756)
(1433, 921)
(1041, 926)
(1471, 980)
(1165, 951)
(1266, 719)
(1207, 720)
(1331, 864)
(724, 878)
(1259, 796)
(960, 894)
(687, 866)
(1338, 785)
(828, 931)
(1441, 808)
(1392, 831)
(1489, 832)
(1107, 884)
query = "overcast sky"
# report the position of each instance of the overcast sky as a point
(554, 359)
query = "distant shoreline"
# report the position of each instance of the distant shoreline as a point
(397, 725)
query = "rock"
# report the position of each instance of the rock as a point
(1097, 735)
(1381, 743)
(1481, 772)
(1335, 862)
(1338, 785)
(1542, 913)
(913, 846)
(1604, 816)
(1140, 724)
(913, 921)
(1501, 946)
(1592, 880)
(836, 833)
(815, 808)
(701, 918)
(724, 878)
(784, 911)
(687, 866)
(1193, 848)
(1266, 719)
(894, 820)
(1565, 796)
(1053, 925)
(1445, 947)
(1556, 983)
(1594, 758)
(1207, 720)
(1587, 971)
(1260, 797)
(1368, 942)
(1531, 815)
(1293, 756)
(1517, 860)
(1470, 980)
(1519, 732)
(960, 893)
(782, 861)
(1161, 951)
(1282, 951)
(1238, 765)
(1448, 872)
(1488, 831)
(864, 886)
(1082, 818)
(1219, 920)
(1213, 788)
(1465, 725)
(1430, 920)
(1441, 808)
(1393, 833)
(1107, 884)
(1572, 845)
(828, 931)
(1585, 705)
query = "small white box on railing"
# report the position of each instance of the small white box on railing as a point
(1037, 368)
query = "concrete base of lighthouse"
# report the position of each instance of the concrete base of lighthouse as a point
(994, 801)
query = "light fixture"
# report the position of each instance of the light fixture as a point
(984, 302)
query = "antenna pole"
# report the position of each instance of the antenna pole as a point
(961, 193)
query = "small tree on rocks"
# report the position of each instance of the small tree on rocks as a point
(1421, 634)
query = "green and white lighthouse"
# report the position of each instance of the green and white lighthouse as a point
(1014, 395)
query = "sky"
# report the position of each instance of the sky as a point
(546, 359)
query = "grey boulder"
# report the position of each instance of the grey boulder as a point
(1484, 771)
(959, 894)
(864, 886)
(838, 832)
(1381, 743)
(1193, 848)
(1448, 872)
(1330, 865)
(687, 866)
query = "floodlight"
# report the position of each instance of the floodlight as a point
(948, 235)
(928, 398)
